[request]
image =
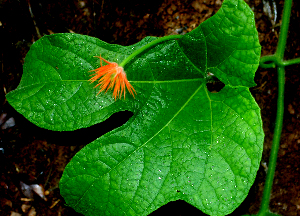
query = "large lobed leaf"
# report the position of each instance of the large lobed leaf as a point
(183, 142)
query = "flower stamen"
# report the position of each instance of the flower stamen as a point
(113, 77)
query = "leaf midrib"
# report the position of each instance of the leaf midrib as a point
(150, 82)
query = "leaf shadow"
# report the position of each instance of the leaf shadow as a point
(83, 136)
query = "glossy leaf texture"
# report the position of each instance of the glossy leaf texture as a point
(182, 142)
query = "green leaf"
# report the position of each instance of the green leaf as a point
(183, 142)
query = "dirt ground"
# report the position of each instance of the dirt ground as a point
(32, 155)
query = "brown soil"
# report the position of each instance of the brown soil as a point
(34, 155)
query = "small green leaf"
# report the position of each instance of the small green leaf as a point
(183, 142)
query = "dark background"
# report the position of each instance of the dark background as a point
(34, 155)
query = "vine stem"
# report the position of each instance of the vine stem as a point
(147, 46)
(264, 209)
(277, 59)
(271, 61)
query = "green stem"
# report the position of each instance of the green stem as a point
(284, 29)
(147, 46)
(276, 59)
(271, 61)
(276, 142)
(291, 62)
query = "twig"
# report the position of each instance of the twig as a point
(34, 22)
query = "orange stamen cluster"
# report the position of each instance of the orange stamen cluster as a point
(112, 76)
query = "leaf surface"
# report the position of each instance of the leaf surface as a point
(183, 142)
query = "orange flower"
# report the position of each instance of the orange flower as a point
(112, 76)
